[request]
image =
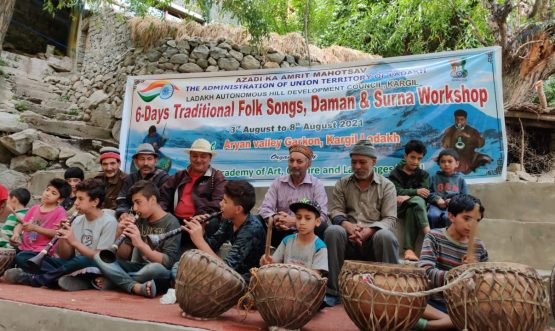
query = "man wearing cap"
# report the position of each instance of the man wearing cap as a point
(111, 175)
(145, 160)
(293, 187)
(363, 210)
(198, 189)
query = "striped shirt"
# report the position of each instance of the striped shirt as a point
(441, 253)
(9, 226)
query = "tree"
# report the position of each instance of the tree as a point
(6, 12)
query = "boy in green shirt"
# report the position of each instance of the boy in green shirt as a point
(17, 200)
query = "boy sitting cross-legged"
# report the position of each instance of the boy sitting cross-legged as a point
(148, 268)
(79, 241)
(39, 226)
(303, 248)
(445, 249)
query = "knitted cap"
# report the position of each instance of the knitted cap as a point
(364, 147)
(303, 150)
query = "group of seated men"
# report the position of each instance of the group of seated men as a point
(357, 223)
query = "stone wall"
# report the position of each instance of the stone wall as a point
(110, 58)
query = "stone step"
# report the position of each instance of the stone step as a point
(43, 110)
(65, 128)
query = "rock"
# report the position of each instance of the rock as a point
(101, 117)
(5, 155)
(179, 58)
(12, 179)
(225, 46)
(37, 68)
(546, 178)
(21, 142)
(171, 43)
(153, 55)
(270, 65)
(45, 150)
(117, 112)
(285, 64)
(514, 167)
(170, 52)
(64, 64)
(66, 153)
(303, 63)
(65, 128)
(11, 123)
(24, 163)
(95, 99)
(202, 63)
(246, 49)
(228, 64)
(217, 53)
(236, 55)
(275, 57)
(116, 131)
(212, 69)
(290, 59)
(85, 161)
(190, 67)
(183, 45)
(212, 62)
(200, 52)
(249, 62)
(526, 176)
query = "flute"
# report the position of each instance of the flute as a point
(109, 255)
(154, 240)
(34, 263)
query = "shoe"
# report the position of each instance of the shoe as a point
(168, 298)
(330, 301)
(73, 283)
(17, 276)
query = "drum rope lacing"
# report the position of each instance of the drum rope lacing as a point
(466, 277)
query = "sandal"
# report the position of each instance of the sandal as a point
(152, 289)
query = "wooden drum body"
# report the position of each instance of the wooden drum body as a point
(287, 295)
(371, 310)
(205, 286)
(501, 297)
(7, 258)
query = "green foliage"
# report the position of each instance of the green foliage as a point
(22, 105)
(73, 112)
(3, 62)
(138, 7)
(402, 27)
(549, 90)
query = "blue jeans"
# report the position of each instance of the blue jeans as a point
(174, 270)
(125, 274)
(438, 217)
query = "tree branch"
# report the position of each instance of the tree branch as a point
(515, 53)
(475, 31)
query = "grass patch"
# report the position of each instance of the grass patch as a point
(22, 105)
(73, 112)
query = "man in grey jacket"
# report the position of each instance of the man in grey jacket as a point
(363, 210)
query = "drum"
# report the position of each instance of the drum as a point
(287, 295)
(372, 310)
(7, 258)
(206, 287)
(503, 297)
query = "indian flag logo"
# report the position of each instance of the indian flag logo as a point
(162, 88)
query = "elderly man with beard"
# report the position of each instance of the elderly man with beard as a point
(145, 160)
(363, 210)
(196, 190)
(111, 175)
(299, 184)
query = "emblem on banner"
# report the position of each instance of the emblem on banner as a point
(162, 88)
(457, 68)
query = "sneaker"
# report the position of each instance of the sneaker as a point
(169, 297)
(330, 301)
(73, 283)
(17, 276)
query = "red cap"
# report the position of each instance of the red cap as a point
(3, 193)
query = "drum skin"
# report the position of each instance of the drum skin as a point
(206, 287)
(286, 295)
(501, 297)
(371, 310)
